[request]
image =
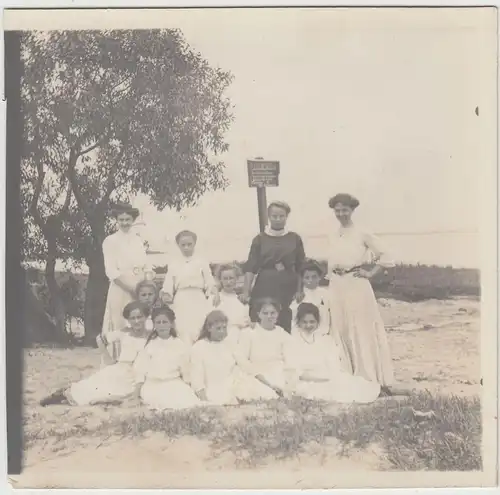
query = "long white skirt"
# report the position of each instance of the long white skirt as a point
(357, 325)
(109, 384)
(160, 395)
(191, 307)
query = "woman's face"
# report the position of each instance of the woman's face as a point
(343, 213)
(268, 316)
(277, 218)
(137, 320)
(228, 280)
(163, 326)
(311, 279)
(186, 245)
(125, 221)
(147, 295)
(218, 331)
(308, 323)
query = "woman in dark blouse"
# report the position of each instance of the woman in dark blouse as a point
(274, 263)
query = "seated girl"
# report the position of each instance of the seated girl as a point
(116, 381)
(264, 351)
(230, 305)
(317, 365)
(163, 366)
(147, 293)
(215, 376)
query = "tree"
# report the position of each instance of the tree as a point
(113, 113)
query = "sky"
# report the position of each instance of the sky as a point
(381, 108)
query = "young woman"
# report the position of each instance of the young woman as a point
(116, 381)
(274, 264)
(317, 364)
(215, 376)
(190, 288)
(264, 351)
(126, 264)
(354, 310)
(162, 367)
(147, 293)
(230, 304)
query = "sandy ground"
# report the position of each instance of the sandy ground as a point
(435, 346)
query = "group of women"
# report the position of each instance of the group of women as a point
(200, 341)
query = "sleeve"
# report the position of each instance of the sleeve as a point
(378, 250)
(141, 366)
(110, 265)
(253, 262)
(300, 254)
(113, 336)
(197, 367)
(288, 352)
(169, 281)
(242, 352)
(210, 285)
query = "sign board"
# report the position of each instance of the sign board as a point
(263, 173)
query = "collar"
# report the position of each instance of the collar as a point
(275, 233)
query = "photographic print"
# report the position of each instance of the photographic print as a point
(257, 247)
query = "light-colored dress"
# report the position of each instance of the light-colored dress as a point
(356, 323)
(316, 357)
(163, 369)
(267, 353)
(214, 369)
(320, 297)
(124, 257)
(191, 284)
(236, 312)
(114, 382)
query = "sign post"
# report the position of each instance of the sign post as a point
(262, 174)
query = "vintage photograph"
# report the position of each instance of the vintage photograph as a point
(257, 246)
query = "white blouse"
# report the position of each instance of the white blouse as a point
(129, 346)
(234, 309)
(163, 359)
(320, 297)
(351, 247)
(124, 254)
(188, 273)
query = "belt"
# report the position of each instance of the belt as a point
(340, 272)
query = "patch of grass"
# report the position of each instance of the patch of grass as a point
(283, 429)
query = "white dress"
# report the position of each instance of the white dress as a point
(267, 353)
(356, 323)
(124, 257)
(214, 369)
(236, 312)
(320, 297)
(317, 356)
(114, 382)
(163, 369)
(190, 282)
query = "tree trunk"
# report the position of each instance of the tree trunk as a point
(95, 296)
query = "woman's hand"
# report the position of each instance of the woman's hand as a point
(362, 273)
(244, 297)
(299, 296)
(216, 299)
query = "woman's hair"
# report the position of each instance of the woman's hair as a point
(146, 283)
(279, 204)
(186, 233)
(121, 208)
(227, 267)
(311, 265)
(345, 199)
(305, 309)
(260, 303)
(165, 311)
(132, 306)
(214, 317)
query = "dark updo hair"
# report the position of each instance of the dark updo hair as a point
(215, 316)
(186, 233)
(307, 309)
(311, 265)
(132, 306)
(345, 199)
(166, 311)
(260, 303)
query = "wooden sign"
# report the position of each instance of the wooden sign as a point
(262, 173)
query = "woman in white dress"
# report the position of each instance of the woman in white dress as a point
(216, 377)
(126, 264)
(116, 381)
(230, 304)
(317, 365)
(163, 366)
(264, 351)
(190, 288)
(355, 316)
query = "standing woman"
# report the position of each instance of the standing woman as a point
(126, 264)
(274, 264)
(355, 316)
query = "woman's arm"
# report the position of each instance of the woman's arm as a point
(168, 287)
(380, 258)
(112, 268)
(103, 346)
(252, 268)
(300, 257)
(197, 373)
